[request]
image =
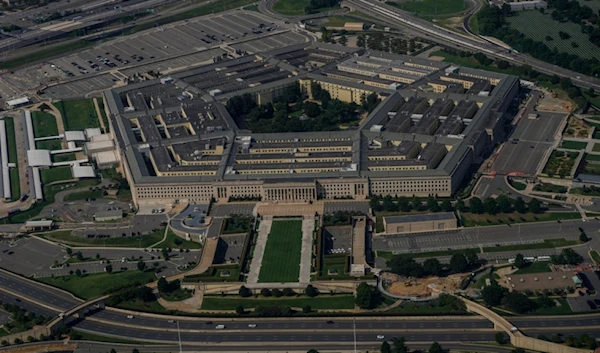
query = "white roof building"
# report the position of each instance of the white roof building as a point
(18, 102)
(99, 146)
(83, 171)
(39, 158)
(74, 136)
(105, 158)
(91, 132)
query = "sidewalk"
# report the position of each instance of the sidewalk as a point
(259, 250)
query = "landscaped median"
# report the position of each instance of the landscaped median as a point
(323, 301)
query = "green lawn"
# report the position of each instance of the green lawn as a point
(82, 195)
(95, 285)
(573, 145)
(177, 295)
(44, 124)
(174, 241)
(596, 147)
(472, 219)
(84, 336)
(290, 7)
(534, 267)
(15, 187)
(431, 8)
(564, 308)
(322, 301)
(55, 174)
(595, 256)
(3, 332)
(65, 237)
(281, 260)
(51, 145)
(592, 157)
(519, 186)
(78, 114)
(63, 157)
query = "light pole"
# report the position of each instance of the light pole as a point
(354, 329)
(179, 336)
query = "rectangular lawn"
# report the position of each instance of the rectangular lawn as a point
(78, 114)
(56, 174)
(322, 301)
(44, 124)
(281, 260)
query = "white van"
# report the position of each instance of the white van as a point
(220, 327)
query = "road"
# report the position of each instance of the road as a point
(445, 37)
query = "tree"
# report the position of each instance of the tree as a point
(306, 309)
(343, 40)
(79, 256)
(405, 266)
(165, 253)
(360, 41)
(135, 350)
(460, 205)
(472, 258)
(435, 348)
(534, 205)
(492, 295)
(520, 205)
(567, 257)
(520, 303)
(432, 204)
(365, 296)
(583, 237)
(112, 350)
(240, 310)
(475, 205)
(447, 205)
(500, 338)
(399, 345)
(312, 351)
(502, 64)
(244, 292)
(78, 273)
(311, 291)
(490, 205)
(459, 263)
(311, 109)
(416, 203)
(97, 256)
(265, 292)
(432, 266)
(385, 347)
(141, 265)
(288, 292)
(520, 261)
(108, 269)
(504, 204)
(162, 285)
(69, 251)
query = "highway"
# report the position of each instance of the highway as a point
(445, 37)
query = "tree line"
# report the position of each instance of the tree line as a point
(461, 262)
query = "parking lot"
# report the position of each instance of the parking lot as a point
(588, 298)
(166, 48)
(229, 249)
(27, 256)
(528, 144)
(338, 240)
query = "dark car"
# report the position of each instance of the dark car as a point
(208, 322)
(330, 322)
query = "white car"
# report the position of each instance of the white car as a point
(252, 325)
(130, 316)
(171, 321)
(380, 337)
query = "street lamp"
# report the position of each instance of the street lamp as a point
(179, 336)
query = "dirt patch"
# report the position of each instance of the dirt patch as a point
(551, 103)
(422, 287)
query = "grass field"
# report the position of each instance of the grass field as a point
(290, 7)
(595, 256)
(15, 187)
(78, 114)
(323, 301)
(56, 174)
(51, 145)
(63, 157)
(592, 157)
(281, 260)
(534, 267)
(44, 124)
(173, 241)
(529, 23)
(472, 219)
(82, 195)
(573, 145)
(596, 147)
(431, 8)
(95, 285)
(564, 308)
(65, 237)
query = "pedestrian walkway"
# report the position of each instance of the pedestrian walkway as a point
(308, 226)
(264, 229)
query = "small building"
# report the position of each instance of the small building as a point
(18, 102)
(108, 215)
(93, 131)
(34, 226)
(39, 158)
(106, 159)
(83, 171)
(430, 222)
(546, 280)
(75, 136)
(354, 26)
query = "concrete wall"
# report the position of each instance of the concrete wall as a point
(36, 333)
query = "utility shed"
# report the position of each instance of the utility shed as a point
(430, 222)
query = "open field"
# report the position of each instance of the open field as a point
(290, 7)
(82, 195)
(55, 174)
(44, 124)
(592, 157)
(50, 145)
(175, 242)
(65, 237)
(78, 114)
(95, 285)
(530, 22)
(281, 260)
(431, 8)
(322, 301)
(596, 147)
(573, 145)
(472, 219)
(534, 267)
